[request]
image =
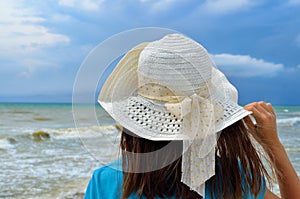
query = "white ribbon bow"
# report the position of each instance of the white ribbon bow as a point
(198, 115)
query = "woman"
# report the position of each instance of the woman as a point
(184, 135)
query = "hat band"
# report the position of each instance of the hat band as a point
(160, 91)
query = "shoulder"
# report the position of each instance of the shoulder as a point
(108, 171)
(106, 182)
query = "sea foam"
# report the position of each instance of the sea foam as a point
(293, 121)
(7, 143)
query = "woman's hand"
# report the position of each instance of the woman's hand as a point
(265, 129)
(265, 132)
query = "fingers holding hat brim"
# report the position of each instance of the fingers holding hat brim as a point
(260, 110)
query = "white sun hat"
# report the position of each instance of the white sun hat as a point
(171, 90)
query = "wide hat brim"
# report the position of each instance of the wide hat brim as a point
(149, 118)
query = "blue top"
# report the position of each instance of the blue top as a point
(106, 183)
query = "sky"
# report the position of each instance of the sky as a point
(256, 43)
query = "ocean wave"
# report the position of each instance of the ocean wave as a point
(20, 112)
(289, 121)
(40, 136)
(90, 131)
(51, 134)
(41, 118)
(7, 143)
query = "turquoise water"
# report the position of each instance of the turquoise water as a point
(42, 151)
(50, 150)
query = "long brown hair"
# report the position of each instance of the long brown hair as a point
(236, 153)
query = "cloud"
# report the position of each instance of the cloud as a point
(23, 36)
(61, 18)
(162, 4)
(245, 66)
(158, 6)
(88, 5)
(294, 2)
(22, 30)
(225, 6)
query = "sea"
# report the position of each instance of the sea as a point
(51, 150)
